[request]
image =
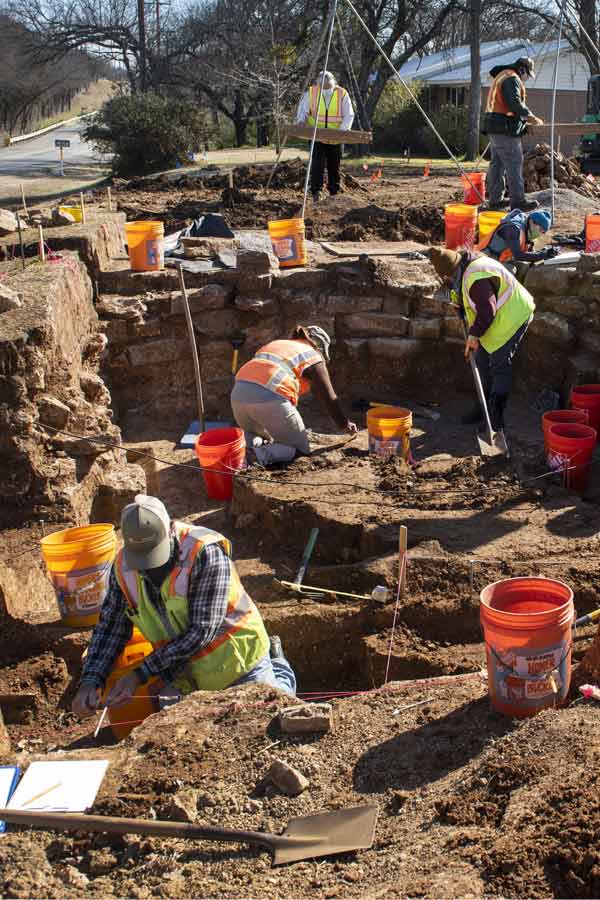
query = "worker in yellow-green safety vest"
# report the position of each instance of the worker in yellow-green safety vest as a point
(497, 310)
(327, 105)
(178, 585)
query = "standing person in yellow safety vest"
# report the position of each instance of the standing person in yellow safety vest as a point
(334, 111)
(268, 387)
(505, 122)
(177, 584)
(497, 310)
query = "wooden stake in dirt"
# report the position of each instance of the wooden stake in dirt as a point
(22, 246)
(403, 542)
(190, 325)
(230, 181)
(23, 198)
(82, 208)
(42, 249)
(109, 194)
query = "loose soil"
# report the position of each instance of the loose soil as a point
(471, 803)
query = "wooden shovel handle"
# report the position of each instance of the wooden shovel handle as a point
(115, 825)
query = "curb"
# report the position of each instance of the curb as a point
(34, 134)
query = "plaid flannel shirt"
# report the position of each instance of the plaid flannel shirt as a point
(208, 595)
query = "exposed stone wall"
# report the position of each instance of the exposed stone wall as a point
(50, 350)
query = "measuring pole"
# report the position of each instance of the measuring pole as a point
(23, 198)
(21, 239)
(62, 163)
(42, 249)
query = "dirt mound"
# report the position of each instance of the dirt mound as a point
(567, 172)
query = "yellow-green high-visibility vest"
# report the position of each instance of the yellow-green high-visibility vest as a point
(514, 306)
(330, 115)
(242, 639)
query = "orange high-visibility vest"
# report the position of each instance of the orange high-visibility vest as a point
(495, 101)
(241, 641)
(330, 115)
(278, 366)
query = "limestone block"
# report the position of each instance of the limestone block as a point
(251, 283)
(9, 299)
(398, 349)
(94, 347)
(211, 296)
(301, 305)
(153, 353)
(551, 327)
(573, 307)
(129, 308)
(589, 262)
(371, 324)
(354, 349)
(148, 329)
(550, 280)
(289, 780)
(184, 805)
(397, 306)
(425, 328)
(94, 388)
(452, 327)
(306, 719)
(8, 222)
(583, 368)
(265, 306)
(206, 247)
(52, 412)
(332, 304)
(590, 341)
(120, 484)
(302, 279)
(260, 262)
(430, 307)
(116, 331)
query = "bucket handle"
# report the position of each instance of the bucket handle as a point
(542, 677)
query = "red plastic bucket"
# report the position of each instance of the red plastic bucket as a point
(220, 451)
(470, 195)
(527, 630)
(562, 417)
(587, 396)
(570, 449)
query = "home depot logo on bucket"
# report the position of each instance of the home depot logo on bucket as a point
(520, 678)
(154, 252)
(388, 447)
(560, 463)
(82, 591)
(285, 248)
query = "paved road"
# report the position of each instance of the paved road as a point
(39, 156)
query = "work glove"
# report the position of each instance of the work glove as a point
(550, 252)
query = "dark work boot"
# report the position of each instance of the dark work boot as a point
(524, 205)
(275, 649)
(474, 416)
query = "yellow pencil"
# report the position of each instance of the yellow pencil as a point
(42, 794)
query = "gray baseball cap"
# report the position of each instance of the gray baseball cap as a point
(146, 530)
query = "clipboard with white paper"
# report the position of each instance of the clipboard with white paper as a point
(68, 785)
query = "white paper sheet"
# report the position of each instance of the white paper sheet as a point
(74, 784)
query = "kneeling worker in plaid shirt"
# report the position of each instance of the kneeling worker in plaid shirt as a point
(178, 585)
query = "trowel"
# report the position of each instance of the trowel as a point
(496, 443)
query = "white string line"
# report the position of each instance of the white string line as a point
(312, 143)
(414, 98)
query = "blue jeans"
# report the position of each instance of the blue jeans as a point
(277, 672)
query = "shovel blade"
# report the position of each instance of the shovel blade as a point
(495, 445)
(340, 831)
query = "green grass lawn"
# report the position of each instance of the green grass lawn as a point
(413, 162)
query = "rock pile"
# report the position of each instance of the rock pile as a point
(536, 171)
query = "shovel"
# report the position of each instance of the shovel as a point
(496, 444)
(306, 837)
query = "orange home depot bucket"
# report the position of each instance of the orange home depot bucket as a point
(562, 417)
(460, 223)
(488, 222)
(570, 450)
(592, 233)
(389, 431)
(125, 718)
(145, 242)
(220, 451)
(527, 630)
(78, 562)
(473, 188)
(287, 238)
(587, 397)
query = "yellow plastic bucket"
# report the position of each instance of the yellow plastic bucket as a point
(74, 211)
(145, 242)
(289, 245)
(389, 431)
(488, 222)
(78, 561)
(124, 719)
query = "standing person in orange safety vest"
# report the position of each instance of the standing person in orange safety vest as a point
(334, 111)
(505, 122)
(267, 388)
